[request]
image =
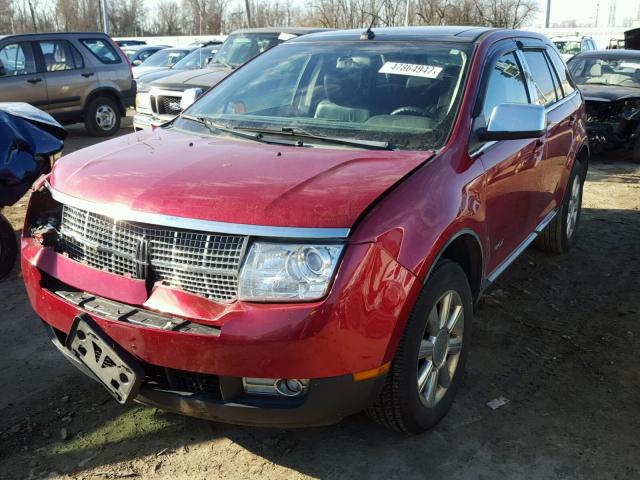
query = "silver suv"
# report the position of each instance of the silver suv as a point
(76, 77)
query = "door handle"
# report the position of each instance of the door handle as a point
(87, 74)
(33, 81)
(538, 144)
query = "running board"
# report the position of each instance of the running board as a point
(518, 251)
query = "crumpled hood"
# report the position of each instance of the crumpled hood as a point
(232, 180)
(181, 80)
(607, 93)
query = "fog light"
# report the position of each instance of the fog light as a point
(289, 387)
(275, 386)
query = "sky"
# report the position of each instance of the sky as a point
(583, 11)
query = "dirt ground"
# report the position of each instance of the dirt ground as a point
(558, 336)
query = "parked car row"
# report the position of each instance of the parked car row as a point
(162, 97)
(76, 77)
(310, 237)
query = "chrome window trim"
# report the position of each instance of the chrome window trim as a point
(115, 211)
(562, 101)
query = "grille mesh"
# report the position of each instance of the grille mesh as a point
(203, 263)
(168, 105)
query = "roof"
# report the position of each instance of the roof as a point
(610, 54)
(49, 34)
(289, 30)
(461, 34)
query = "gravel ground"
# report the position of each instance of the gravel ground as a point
(558, 336)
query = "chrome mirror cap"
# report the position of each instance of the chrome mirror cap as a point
(512, 121)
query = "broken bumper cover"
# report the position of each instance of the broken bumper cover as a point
(328, 400)
(196, 367)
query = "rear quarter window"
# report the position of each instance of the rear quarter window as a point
(101, 49)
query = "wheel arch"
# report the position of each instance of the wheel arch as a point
(465, 248)
(108, 92)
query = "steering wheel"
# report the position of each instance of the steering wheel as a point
(408, 110)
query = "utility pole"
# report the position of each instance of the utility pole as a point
(546, 22)
(406, 13)
(248, 8)
(102, 12)
(597, 12)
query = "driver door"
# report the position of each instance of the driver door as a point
(509, 181)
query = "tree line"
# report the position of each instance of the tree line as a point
(210, 17)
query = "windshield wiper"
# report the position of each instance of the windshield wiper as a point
(224, 63)
(214, 126)
(301, 132)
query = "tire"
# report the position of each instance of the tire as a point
(557, 237)
(8, 247)
(635, 151)
(102, 118)
(400, 406)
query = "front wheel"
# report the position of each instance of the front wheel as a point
(8, 247)
(427, 369)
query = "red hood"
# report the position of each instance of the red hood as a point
(228, 180)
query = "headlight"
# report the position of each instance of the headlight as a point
(143, 101)
(288, 272)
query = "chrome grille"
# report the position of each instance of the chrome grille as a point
(202, 263)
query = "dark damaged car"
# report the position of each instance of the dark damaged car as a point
(610, 83)
(161, 100)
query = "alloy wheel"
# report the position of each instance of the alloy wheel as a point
(105, 117)
(440, 348)
(573, 208)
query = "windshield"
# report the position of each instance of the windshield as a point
(570, 47)
(621, 72)
(164, 58)
(129, 53)
(403, 93)
(197, 59)
(242, 47)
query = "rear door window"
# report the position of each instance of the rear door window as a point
(101, 50)
(60, 55)
(561, 69)
(505, 85)
(18, 59)
(542, 79)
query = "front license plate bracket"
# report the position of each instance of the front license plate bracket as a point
(113, 367)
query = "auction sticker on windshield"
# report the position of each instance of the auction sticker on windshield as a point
(411, 69)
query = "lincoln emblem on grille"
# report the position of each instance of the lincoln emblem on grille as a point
(142, 257)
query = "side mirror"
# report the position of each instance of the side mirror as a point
(136, 63)
(513, 121)
(189, 96)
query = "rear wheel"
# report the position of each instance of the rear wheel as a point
(427, 369)
(102, 118)
(557, 237)
(8, 247)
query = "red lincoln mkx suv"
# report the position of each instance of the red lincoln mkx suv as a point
(309, 238)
